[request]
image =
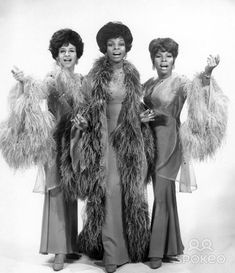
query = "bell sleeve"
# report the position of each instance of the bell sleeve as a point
(26, 135)
(204, 130)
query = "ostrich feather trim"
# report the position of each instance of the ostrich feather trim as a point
(204, 130)
(26, 136)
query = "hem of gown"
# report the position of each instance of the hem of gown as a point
(120, 263)
(59, 252)
(158, 255)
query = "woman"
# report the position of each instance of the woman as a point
(199, 137)
(33, 136)
(111, 155)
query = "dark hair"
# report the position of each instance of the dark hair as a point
(113, 30)
(163, 44)
(64, 37)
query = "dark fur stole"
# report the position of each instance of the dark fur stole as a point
(132, 146)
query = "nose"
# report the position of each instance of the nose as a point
(66, 53)
(116, 46)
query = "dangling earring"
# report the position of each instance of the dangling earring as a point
(124, 58)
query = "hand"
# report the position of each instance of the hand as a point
(18, 74)
(147, 116)
(80, 122)
(212, 62)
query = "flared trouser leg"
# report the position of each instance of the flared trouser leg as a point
(59, 224)
(165, 229)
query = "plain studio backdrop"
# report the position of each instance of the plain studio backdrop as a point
(201, 28)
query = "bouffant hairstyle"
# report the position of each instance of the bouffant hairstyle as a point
(163, 44)
(113, 30)
(64, 37)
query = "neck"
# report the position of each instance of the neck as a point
(116, 66)
(71, 70)
(163, 77)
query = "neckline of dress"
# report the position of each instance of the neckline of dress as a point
(160, 81)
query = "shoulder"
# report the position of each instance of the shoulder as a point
(149, 83)
(130, 68)
(180, 83)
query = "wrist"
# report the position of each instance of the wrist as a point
(206, 74)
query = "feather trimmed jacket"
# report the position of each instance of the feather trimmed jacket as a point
(32, 134)
(200, 135)
(133, 143)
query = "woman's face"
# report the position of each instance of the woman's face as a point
(164, 63)
(67, 56)
(116, 49)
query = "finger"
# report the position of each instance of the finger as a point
(15, 68)
(217, 58)
(151, 115)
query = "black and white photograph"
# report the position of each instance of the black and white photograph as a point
(117, 134)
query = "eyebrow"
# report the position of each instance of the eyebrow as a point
(120, 39)
(64, 48)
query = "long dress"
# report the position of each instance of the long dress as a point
(199, 137)
(168, 96)
(59, 224)
(113, 236)
(32, 135)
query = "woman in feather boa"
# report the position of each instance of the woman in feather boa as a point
(110, 154)
(35, 136)
(198, 138)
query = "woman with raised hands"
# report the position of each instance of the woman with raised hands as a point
(32, 135)
(197, 138)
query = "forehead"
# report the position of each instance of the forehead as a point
(117, 39)
(162, 52)
(68, 45)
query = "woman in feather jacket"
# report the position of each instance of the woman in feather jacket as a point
(110, 148)
(33, 136)
(198, 138)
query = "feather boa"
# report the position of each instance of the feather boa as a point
(204, 130)
(132, 147)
